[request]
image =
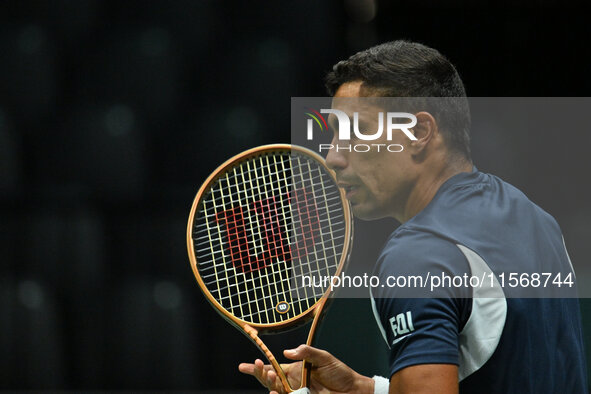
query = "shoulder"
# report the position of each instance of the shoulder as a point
(409, 250)
(417, 263)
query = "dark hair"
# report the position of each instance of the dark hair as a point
(409, 69)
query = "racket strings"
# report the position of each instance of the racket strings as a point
(277, 188)
(266, 223)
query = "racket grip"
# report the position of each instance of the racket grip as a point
(303, 390)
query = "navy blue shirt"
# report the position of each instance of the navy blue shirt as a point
(503, 339)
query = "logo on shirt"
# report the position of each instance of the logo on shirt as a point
(402, 326)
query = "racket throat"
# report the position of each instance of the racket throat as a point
(253, 334)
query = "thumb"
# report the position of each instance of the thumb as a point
(310, 354)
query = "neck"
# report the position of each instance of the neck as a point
(427, 185)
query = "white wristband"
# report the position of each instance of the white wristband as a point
(382, 385)
(303, 390)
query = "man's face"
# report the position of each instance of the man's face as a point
(376, 183)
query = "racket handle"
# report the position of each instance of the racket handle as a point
(303, 390)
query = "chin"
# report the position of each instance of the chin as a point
(364, 213)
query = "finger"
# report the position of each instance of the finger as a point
(246, 368)
(271, 379)
(257, 364)
(309, 353)
(259, 371)
(275, 383)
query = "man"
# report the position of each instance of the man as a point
(454, 220)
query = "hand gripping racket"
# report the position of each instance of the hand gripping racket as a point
(262, 223)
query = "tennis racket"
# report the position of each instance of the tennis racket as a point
(262, 223)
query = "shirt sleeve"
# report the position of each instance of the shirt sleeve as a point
(421, 326)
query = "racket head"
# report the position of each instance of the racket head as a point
(259, 223)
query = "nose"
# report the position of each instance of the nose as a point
(336, 159)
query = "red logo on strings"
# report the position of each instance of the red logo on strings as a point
(266, 220)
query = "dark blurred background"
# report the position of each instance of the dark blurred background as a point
(112, 113)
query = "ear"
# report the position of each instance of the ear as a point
(425, 131)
